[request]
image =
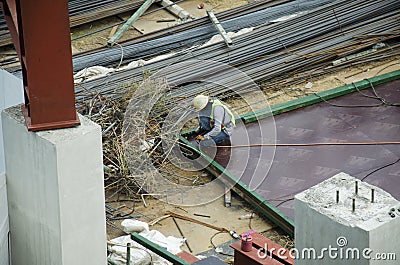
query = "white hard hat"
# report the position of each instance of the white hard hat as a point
(200, 102)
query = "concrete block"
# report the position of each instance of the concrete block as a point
(11, 94)
(55, 193)
(4, 228)
(328, 232)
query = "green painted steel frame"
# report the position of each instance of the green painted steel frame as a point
(257, 201)
(158, 250)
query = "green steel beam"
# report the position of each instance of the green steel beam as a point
(158, 250)
(129, 22)
(258, 202)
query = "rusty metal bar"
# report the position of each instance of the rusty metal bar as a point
(40, 32)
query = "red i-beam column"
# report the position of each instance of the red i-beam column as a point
(41, 35)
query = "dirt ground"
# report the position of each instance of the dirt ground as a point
(198, 236)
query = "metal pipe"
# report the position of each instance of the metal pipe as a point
(372, 195)
(129, 22)
(128, 254)
(180, 232)
(356, 188)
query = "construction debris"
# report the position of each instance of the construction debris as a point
(186, 218)
(139, 254)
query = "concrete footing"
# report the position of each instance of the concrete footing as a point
(55, 193)
(345, 221)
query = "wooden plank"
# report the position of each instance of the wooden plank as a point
(112, 32)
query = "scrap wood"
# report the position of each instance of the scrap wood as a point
(153, 222)
(196, 221)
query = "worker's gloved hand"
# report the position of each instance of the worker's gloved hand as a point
(199, 137)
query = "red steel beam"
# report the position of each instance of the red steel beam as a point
(41, 35)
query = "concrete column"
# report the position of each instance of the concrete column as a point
(55, 193)
(3, 221)
(330, 232)
(11, 93)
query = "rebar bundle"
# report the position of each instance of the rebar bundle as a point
(302, 43)
(192, 33)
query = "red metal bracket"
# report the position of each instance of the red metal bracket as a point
(264, 251)
(41, 35)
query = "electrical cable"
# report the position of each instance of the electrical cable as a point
(309, 144)
(347, 106)
(285, 201)
(384, 101)
(379, 168)
(377, 97)
(214, 246)
(252, 214)
(387, 66)
(212, 237)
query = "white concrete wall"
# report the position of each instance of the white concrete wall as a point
(55, 193)
(11, 93)
(321, 222)
(4, 228)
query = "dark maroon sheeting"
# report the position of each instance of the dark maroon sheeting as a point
(295, 169)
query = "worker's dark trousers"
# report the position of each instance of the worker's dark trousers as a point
(220, 139)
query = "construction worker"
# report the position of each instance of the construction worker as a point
(216, 121)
